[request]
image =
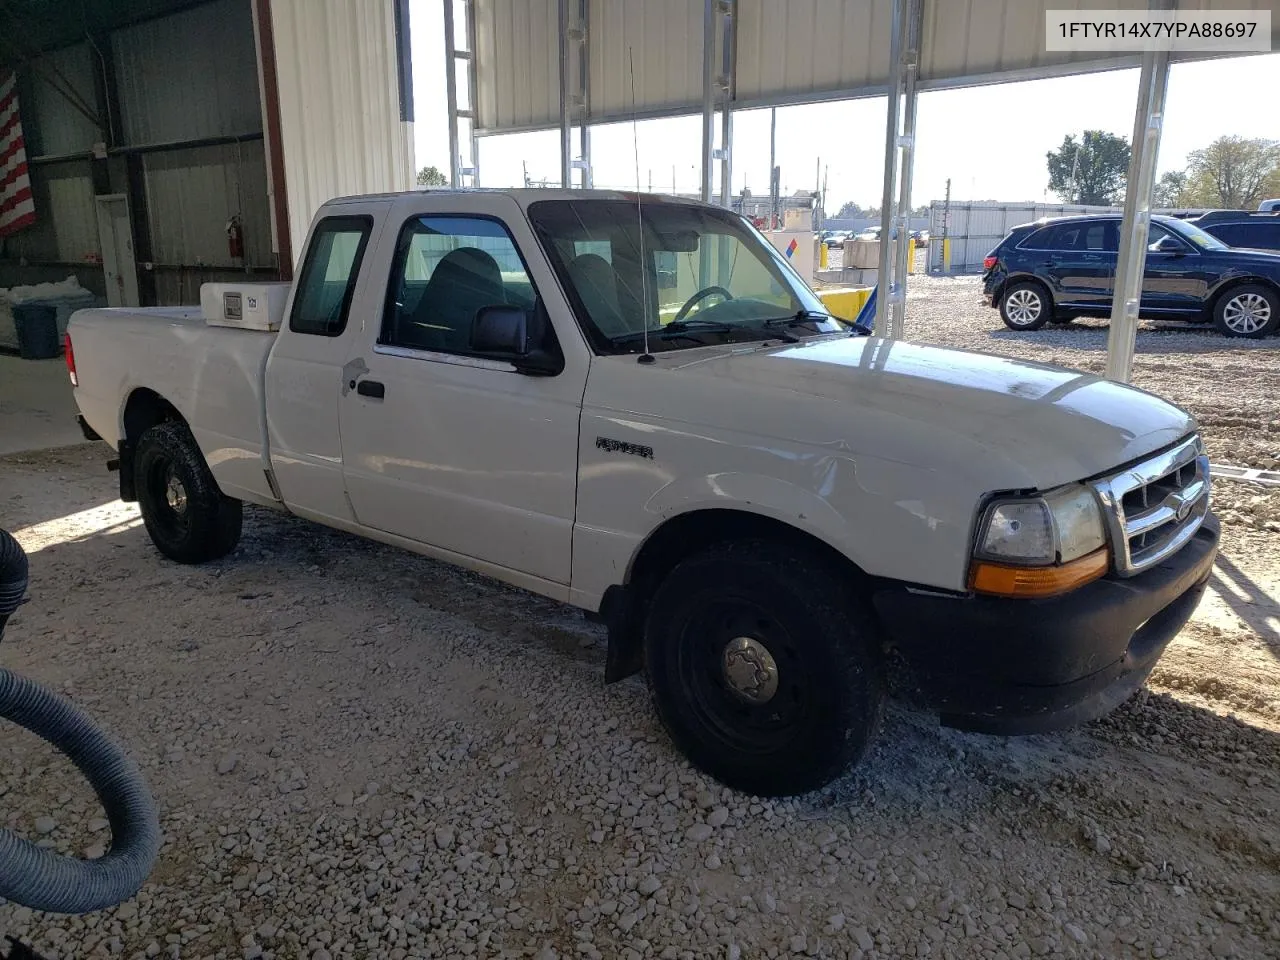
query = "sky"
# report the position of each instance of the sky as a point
(990, 141)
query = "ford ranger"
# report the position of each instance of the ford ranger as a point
(633, 404)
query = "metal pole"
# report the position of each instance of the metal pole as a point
(451, 94)
(584, 84)
(470, 8)
(566, 141)
(884, 278)
(1132, 258)
(898, 308)
(773, 165)
(708, 94)
(728, 58)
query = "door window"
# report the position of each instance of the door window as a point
(446, 270)
(329, 274)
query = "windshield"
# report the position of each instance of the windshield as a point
(1189, 231)
(695, 275)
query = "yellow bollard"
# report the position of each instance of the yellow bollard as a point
(822, 254)
(946, 254)
(911, 255)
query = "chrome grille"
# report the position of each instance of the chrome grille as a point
(1156, 506)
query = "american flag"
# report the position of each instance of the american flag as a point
(17, 208)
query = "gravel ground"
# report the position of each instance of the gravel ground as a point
(362, 753)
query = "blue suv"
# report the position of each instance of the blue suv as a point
(1054, 270)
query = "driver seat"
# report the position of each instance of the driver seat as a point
(597, 284)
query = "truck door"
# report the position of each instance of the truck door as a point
(445, 446)
(303, 370)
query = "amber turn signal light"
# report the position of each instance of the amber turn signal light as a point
(1006, 581)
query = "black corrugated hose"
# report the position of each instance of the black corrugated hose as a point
(38, 878)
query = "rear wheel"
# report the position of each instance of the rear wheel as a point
(1249, 310)
(763, 668)
(187, 516)
(1025, 306)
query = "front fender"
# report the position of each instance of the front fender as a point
(762, 495)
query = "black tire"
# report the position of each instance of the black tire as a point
(828, 684)
(187, 516)
(1249, 310)
(1025, 305)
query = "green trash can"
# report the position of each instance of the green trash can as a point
(36, 325)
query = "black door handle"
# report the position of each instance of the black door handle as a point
(371, 388)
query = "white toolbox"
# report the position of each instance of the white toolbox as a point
(249, 306)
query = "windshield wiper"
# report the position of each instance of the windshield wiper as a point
(801, 317)
(689, 329)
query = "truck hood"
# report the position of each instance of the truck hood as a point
(1006, 423)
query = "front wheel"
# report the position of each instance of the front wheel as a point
(1249, 310)
(1025, 306)
(185, 513)
(763, 668)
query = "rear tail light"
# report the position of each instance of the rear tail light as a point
(71, 360)
(989, 262)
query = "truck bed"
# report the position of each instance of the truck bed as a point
(212, 375)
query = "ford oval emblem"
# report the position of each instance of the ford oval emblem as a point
(1184, 511)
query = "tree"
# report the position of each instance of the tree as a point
(1233, 172)
(432, 177)
(1092, 170)
(849, 211)
(1171, 190)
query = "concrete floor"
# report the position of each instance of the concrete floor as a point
(37, 410)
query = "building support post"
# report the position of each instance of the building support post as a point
(884, 278)
(902, 241)
(708, 94)
(566, 133)
(1134, 228)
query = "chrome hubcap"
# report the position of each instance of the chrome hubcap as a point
(175, 494)
(1022, 307)
(1246, 313)
(749, 670)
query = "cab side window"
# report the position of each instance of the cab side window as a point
(446, 270)
(329, 275)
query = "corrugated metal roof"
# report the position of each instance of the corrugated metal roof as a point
(188, 76)
(789, 51)
(340, 121)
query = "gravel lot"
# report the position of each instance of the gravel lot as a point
(361, 753)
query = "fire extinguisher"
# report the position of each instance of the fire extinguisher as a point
(235, 238)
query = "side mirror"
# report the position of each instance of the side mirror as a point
(510, 333)
(1168, 245)
(500, 331)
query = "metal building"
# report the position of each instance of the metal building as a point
(170, 143)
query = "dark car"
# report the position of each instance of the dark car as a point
(1054, 270)
(1240, 228)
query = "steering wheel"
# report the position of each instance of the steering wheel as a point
(698, 298)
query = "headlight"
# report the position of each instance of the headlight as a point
(1040, 546)
(1058, 527)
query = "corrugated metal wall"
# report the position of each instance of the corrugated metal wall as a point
(798, 47)
(974, 229)
(189, 76)
(340, 123)
(667, 40)
(525, 37)
(52, 126)
(66, 227)
(192, 193)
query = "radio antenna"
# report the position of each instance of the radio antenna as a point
(645, 357)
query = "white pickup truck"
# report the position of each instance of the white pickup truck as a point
(634, 405)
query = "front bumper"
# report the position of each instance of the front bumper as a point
(1031, 666)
